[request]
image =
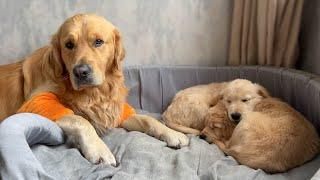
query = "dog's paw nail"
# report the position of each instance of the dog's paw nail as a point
(114, 164)
(110, 160)
(100, 160)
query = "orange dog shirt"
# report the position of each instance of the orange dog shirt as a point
(48, 105)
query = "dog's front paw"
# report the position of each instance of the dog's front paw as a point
(175, 139)
(97, 152)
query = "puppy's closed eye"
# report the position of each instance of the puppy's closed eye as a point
(245, 100)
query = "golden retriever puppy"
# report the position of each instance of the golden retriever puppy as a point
(188, 109)
(217, 124)
(82, 67)
(270, 135)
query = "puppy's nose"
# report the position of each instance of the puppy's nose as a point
(82, 71)
(202, 136)
(236, 116)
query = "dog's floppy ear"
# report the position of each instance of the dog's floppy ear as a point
(262, 91)
(119, 51)
(53, 62)
(56, 60)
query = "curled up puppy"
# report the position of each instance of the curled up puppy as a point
(190, 106)
(269, 135)
(217, 124)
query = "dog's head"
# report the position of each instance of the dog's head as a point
(217, 124)
(241, 96)
(86, 49)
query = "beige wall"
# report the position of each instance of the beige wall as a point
(165, 32)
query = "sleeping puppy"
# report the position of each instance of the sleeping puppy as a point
(198, 110)
(82, 67)
(269, 135)
(217, 124)
(189, 107)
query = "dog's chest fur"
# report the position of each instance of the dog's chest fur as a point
(102, 106)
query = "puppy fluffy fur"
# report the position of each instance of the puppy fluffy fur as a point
(271, 135)
(98, 103)
(217, 124)
(188, 109)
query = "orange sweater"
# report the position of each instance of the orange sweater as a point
(48, 105)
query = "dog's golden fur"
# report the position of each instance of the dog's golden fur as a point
(188, 109)
(217, 124)
(271, 135)
(48, 68)
(101, 104)
(51, 69)
(11, 91)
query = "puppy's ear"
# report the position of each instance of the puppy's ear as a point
(119, 51)
(220, 96)
(53, 62)
(262, 91)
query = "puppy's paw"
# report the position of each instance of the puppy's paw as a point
(175, 139)
(218, 125)
(97, 152)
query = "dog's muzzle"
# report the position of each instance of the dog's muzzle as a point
(83, 74)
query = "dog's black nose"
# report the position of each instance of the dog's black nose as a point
(236, 116)
(202, 136)
(82, 71)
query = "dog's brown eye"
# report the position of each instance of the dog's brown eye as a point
(69, 45)
(229, 101)
(98, 42)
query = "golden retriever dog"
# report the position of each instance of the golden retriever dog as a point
(189, 107)
(269, 135)
(82, 67)
(217, 124)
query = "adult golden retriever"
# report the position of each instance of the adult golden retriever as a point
(82, 66)
(270, 134)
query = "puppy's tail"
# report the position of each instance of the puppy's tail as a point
(182, 128)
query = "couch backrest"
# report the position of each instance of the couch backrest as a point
(152, 88)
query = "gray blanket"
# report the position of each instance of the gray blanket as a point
(140, 156)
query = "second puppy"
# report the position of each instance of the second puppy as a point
(270, 135)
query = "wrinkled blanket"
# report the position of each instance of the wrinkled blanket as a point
(140, 156)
